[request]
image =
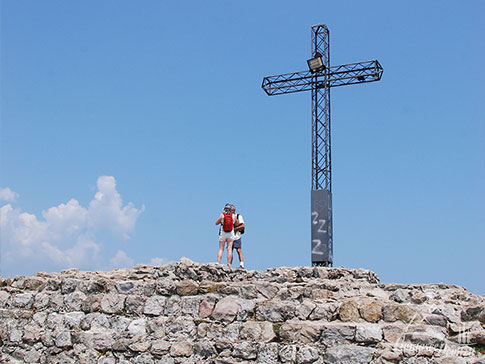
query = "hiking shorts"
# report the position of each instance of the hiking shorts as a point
(226, 236)
(237, 244)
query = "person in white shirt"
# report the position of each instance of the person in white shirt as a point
(238, 229)
(226, 233)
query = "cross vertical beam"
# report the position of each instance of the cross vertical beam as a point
(319, 79)
(321, 195)
(321, 157)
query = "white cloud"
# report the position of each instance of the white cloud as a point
(121, 260)
(158, 261)
(6, 194)
(67, 235)
(106, 210)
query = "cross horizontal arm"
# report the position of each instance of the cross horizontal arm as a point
(334, 76)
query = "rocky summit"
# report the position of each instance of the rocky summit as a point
(187, 312)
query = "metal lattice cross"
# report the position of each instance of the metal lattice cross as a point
(319, 82)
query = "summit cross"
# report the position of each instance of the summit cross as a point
(319, 79)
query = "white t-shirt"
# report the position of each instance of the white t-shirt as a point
(221, 230)
(238, 232)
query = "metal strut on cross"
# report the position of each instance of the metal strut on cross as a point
(319, 79)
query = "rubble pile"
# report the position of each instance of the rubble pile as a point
(187, 312)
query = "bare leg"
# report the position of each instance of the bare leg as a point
(240, 254)
(232, 257)
(221, 251)
(229, 252)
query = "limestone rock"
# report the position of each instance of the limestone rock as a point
(368, 334)
(32, 333)
(418, 296)
(41, 300)
(304, 310)
(55, 321)
(403, 312)
(287, 353)
(448, 312)
(437, 320)
(91, 304)
(155, 305)
(173, 306)
(23, 300)
(371, 311)
(101, 340)
(268, 353)
(73, 319)
(251, 331)
(249, 291)
(135, 304)
(246, 310)
(107, 360)
(333, 334)
(180, 328)
(431, 339)
(481, 317)
(32, 356)
(95, 286)
(137, 327)
(124, 286)
(226, 309)
(190, 306)
(205, 349)
(142, 345)
(391, 354)
(187, 288)
(268, 333)
(206, 306)
(274, 311)
(401, 295)
(349, 310)
(120, 324)
(181, 348)
(300, 332)
(165, 287)
(267, 290)
(472, 313)
(393, 333)
(327, 312)
(307, 354)
(75, 300)
(477, 337)
(245, 350)
(160, 347)
(208, 287)
(349, 354)
(112, 303)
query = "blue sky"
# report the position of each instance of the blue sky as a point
(126, 126)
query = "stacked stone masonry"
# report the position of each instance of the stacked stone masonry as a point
(187, 312)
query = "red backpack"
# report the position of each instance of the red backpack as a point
(227, 222)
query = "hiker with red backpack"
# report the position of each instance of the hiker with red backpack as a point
(238, 231)
(226, 233)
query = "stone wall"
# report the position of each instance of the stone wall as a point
(187, 312)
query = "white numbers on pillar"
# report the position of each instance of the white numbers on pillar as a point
(317, 242)
(317, 221)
